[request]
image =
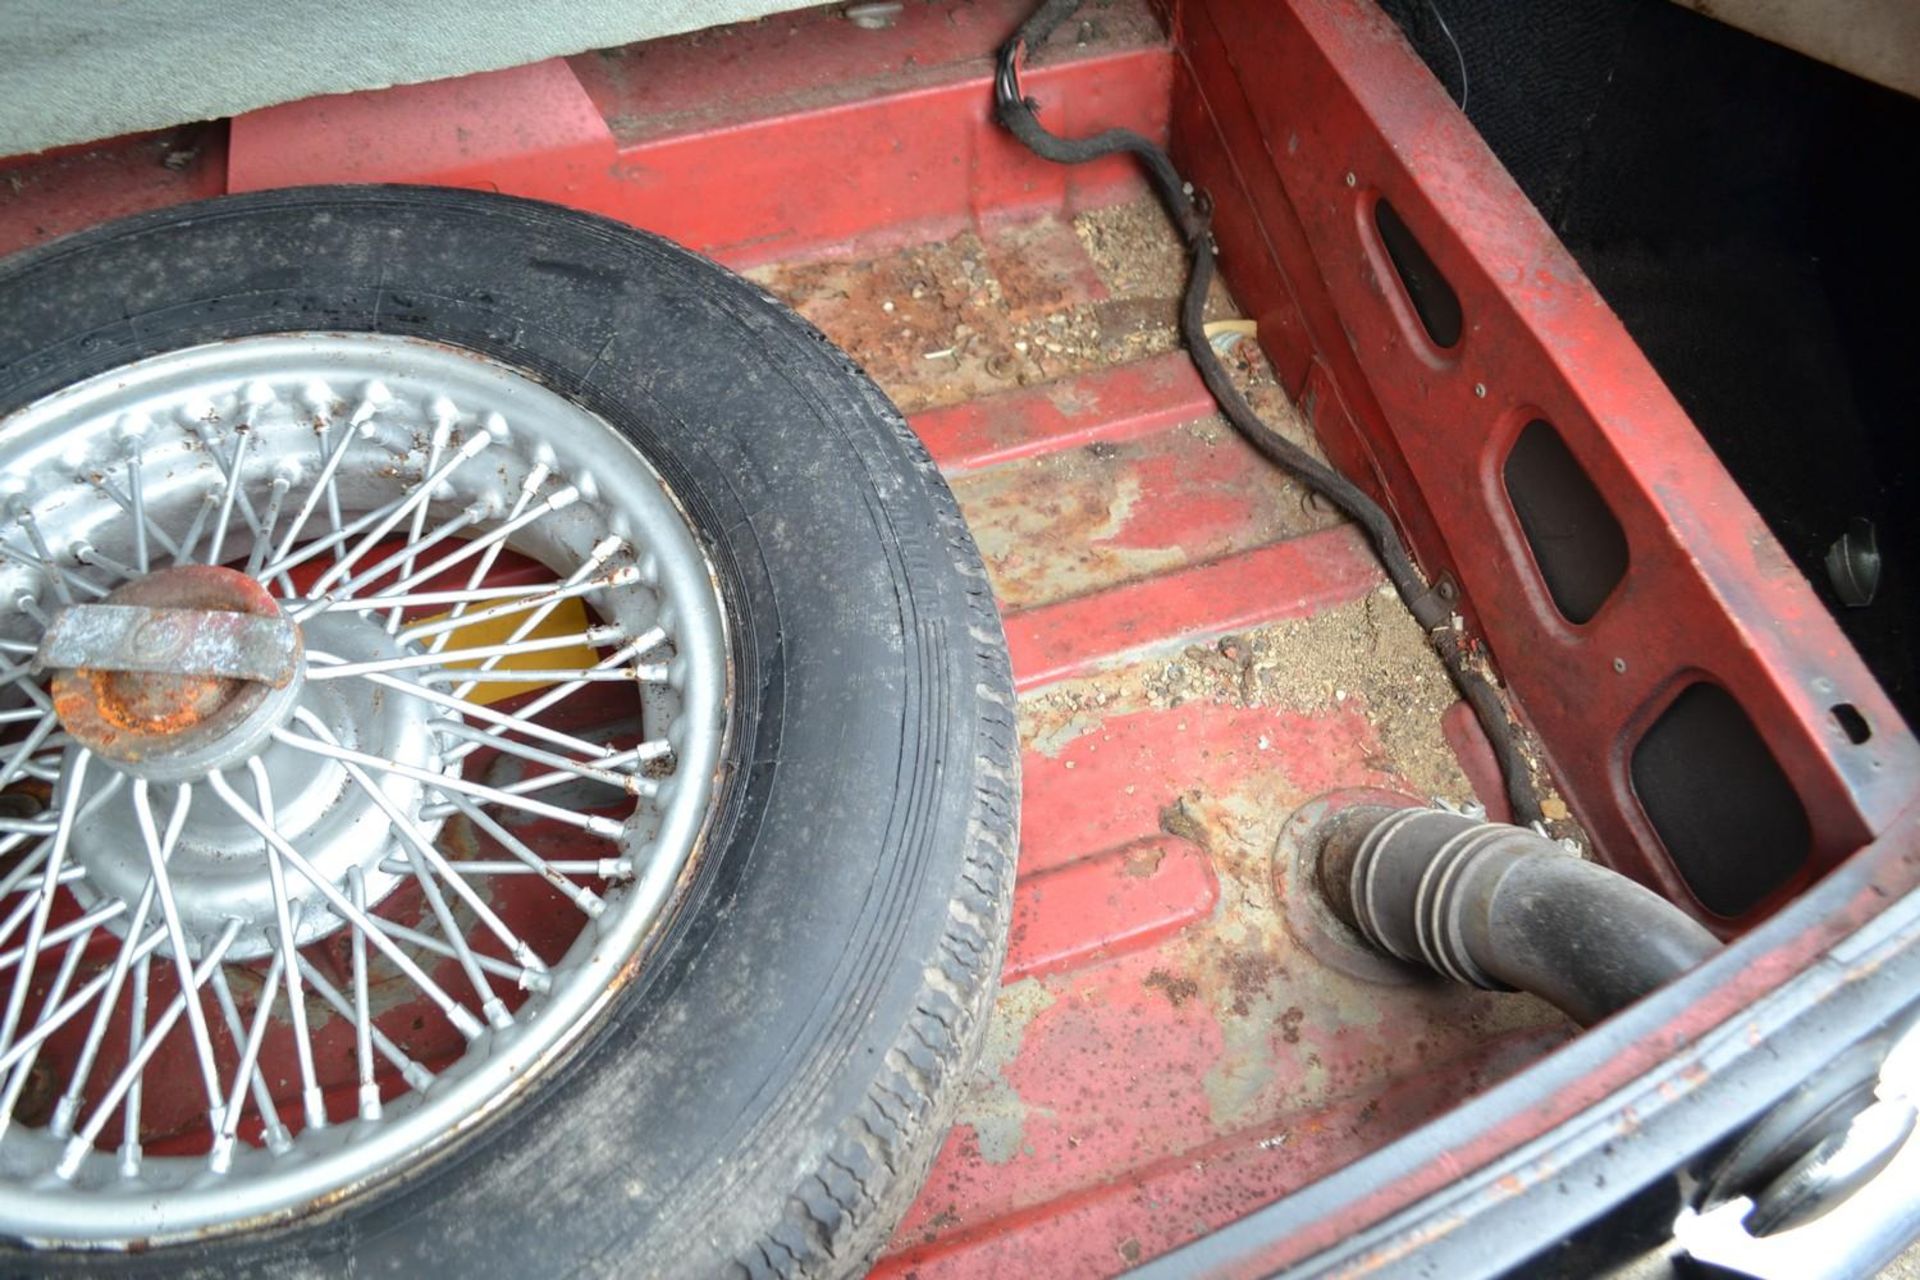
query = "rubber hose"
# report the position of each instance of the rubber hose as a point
(1504, 909)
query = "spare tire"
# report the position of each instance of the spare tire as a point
(496, 412)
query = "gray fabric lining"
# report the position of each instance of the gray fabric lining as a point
(77, 70)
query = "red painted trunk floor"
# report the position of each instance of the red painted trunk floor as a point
(1200, 650)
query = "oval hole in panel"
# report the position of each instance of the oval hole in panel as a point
(1575, 537)
(1722, 806)
(1433, 299)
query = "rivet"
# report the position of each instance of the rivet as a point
(1352, 181)
(1620, 666)
(1480, 389)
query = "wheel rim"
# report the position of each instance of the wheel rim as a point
(468, 858)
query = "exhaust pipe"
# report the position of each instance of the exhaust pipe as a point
(1503, 908)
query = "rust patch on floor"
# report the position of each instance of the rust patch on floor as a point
(1178, 990)
(1028, 303)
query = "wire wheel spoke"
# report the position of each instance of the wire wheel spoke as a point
(244, 919)
(196, 1016)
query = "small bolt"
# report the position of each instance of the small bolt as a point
(1480, 389)
(1446, 589)
(1620, 666)
(1352, 181)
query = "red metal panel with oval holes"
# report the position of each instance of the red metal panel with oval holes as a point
(1708, 595)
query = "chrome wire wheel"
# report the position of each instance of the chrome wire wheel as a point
(366, 691)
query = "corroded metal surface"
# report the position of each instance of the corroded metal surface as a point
(191, 620)
(1229, 1041)
(168, 663)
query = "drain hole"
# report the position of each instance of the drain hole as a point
(1433, 299)
(1720, 802)
(1851, 722)
(1575, 538)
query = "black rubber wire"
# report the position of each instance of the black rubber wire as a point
(1189, 210)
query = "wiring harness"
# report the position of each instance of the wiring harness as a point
(1190, 211)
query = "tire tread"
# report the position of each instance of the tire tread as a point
(918, 1076)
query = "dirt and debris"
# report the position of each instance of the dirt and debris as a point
(1135, 248)
(936, 324)
(1139, 258)
(1044, 302)
(1069, 523)
(1250, 972)
(1367, 655)
(1371, 649)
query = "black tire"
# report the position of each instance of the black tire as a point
(767, 1097)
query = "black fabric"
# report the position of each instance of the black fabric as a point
(1741, 207)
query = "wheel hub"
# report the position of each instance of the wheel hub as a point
(194, 709)
(175, 674)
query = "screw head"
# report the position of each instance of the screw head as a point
(1352, 181)
(1620, 666)
(1480, 389)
